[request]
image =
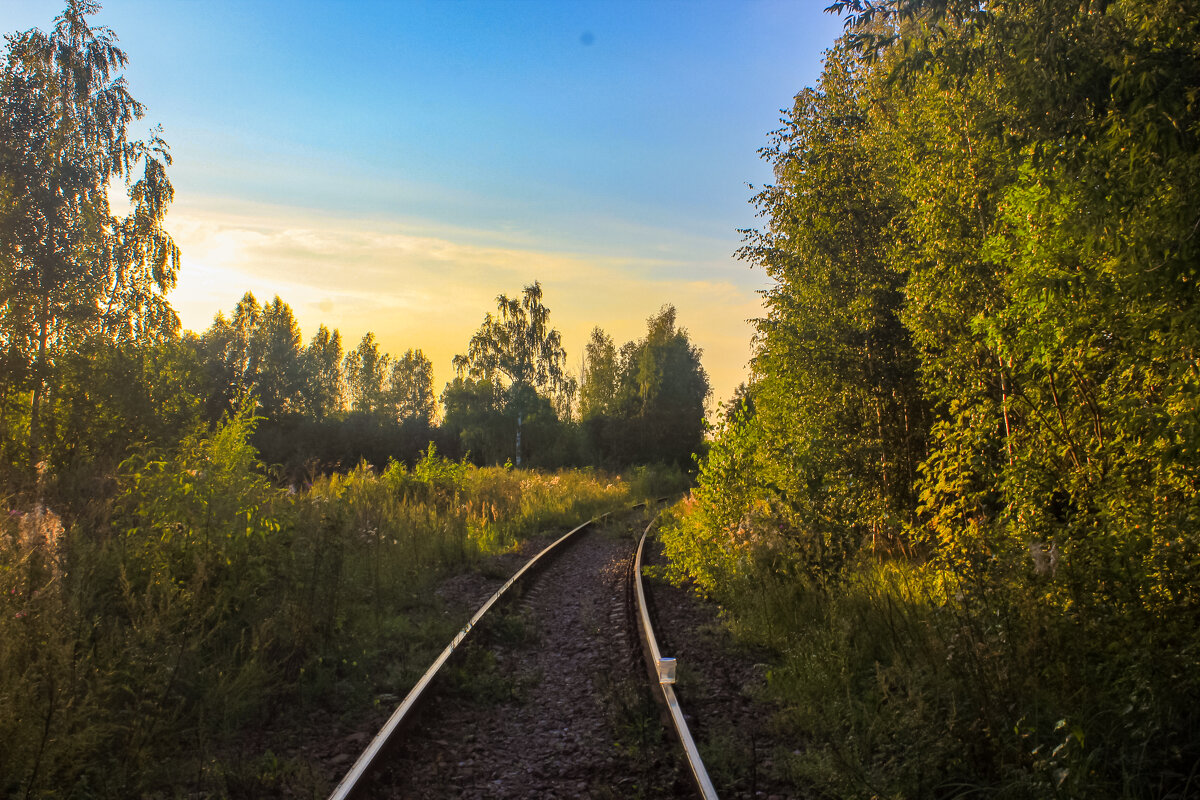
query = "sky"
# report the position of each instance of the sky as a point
(394, 166)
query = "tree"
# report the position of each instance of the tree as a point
(245, 353)
(662, 391)
(279, 382)
(366, 370)
(741, 405)
(598, 389)
(838, 394)
(256, 354)
(69, 269)
(645, 402)
(474, 416)
(410, 387)
(518, 348)
(324, 390)
(230, 356)
(121, 395)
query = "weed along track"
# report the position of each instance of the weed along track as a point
(547, 698)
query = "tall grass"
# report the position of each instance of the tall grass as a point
(904, 677)
(140, 641)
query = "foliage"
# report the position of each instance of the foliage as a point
(962, 505)
(837, 392)
(474, 414)
(410, 387)
(69, 269)
(645, 403)
(598, 387)
(325, 388)
(299, 448)
(366, 370)
(522, 356)
(655, 393)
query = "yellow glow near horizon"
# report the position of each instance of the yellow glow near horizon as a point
(417, 290)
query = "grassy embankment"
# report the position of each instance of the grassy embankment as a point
(910, 677)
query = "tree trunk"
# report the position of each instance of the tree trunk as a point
(518, 459)
(35, 407)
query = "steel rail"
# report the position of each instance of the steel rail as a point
(657, 664)
(349, 784)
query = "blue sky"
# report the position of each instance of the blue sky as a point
(393, 166)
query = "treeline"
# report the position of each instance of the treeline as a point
(960, 495)
(324, 407)
(257, 354)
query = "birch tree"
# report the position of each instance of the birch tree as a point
(517, 348)
(69, 268)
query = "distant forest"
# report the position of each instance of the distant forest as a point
(325, 407)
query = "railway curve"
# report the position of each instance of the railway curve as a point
(548, 698)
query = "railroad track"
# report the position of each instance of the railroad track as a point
(543, 693)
